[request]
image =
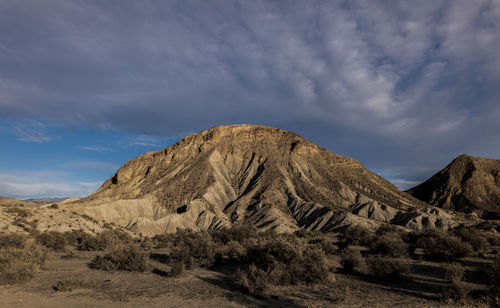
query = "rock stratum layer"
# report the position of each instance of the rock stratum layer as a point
(269, 177)
(468, 184)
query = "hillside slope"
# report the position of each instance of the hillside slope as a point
(468, 184)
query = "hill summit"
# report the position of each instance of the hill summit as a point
(468, 184)
(266, 176)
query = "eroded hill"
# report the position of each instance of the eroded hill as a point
(269, 177)
(468, 184)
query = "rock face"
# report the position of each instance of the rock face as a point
(272, 178)
(469, 184)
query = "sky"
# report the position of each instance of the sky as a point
(402, 86)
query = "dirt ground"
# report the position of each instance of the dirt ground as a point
(207, 288)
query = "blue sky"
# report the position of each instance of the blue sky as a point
(404, 87)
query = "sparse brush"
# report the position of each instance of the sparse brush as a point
(193, 249)
(387, 267)
(12, 240)
(253, 279)
(389, 244)
(453, 271)
(356, 235)
(177, 269)
(493, 271)
(350, 259)
(473, 237)
(455, 290)
(19, 262)
(53, 240)
(18, 211)
(67, 285)
(439, 245)
(123, 258)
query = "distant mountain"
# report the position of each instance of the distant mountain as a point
(47, 200)
(269, 177)
(469, 184)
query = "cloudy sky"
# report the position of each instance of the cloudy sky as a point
(402, 86)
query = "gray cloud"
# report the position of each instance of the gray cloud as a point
(397, 85)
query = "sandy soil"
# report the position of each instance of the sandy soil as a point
(204, 288)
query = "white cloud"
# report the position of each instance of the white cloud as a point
(42, 184)
(96, 148)
(32, 131)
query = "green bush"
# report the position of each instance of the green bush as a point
(386, 267)
(123, 258)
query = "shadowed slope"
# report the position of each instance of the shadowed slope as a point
(468, 184)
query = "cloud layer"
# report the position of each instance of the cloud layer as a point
(397, 85)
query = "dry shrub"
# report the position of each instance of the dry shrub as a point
(387, 267)
(389, 244)
(254, 280)
(439, 245)
(473, 237)
(456, 290)
(264, 258)
(123, 258)
(106, 239)
(67, 285)
(493, 271)
(193, 249)
(350, 259)
(237, 233)
(356, 235)
(12, 240)
(284, 261)
(176, 269)
(453, 271)
(20, 261)
(18, 211)
(53, 240)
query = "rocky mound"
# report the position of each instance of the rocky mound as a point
(272, 178)
(468, 184)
